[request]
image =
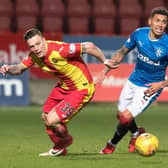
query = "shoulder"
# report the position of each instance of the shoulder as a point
(140, 33)
(142, 30)
(53, 45)
(54, 42)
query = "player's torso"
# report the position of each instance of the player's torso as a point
(70, 69)
(152, 58)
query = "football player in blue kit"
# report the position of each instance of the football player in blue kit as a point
(148, 74)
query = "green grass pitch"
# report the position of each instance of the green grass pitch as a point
(22, 138)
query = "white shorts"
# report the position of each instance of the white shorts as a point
(133, 99)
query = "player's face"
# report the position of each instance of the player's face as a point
(37, 45)
(158, 25)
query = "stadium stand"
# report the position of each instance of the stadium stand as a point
(150, 4)
(129, 17)
(6, 15)
(104, 17)
(52, 16)
(78, 16)
(27, 14)
(98, 17)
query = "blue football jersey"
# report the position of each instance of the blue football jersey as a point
(152, 57)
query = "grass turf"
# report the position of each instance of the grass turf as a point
(22, 138)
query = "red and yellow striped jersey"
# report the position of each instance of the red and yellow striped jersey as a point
(64, 61)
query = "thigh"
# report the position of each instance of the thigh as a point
(71, 105)
(141, 102)
(126, 96)
(55, 97)
(64, 106)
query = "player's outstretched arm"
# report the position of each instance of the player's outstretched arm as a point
(12, 69)
(113, 63)
(91, 49)
(116, 59)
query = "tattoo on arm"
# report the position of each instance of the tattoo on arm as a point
(16, 69)
(123, 50)
(120, 54)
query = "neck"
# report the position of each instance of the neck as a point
(154, 36)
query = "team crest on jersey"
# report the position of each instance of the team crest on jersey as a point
(158, 52)
(54, 60)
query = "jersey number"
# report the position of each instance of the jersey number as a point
(67, 109)
(145, 97)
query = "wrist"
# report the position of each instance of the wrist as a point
(106, 62)
(106, 70)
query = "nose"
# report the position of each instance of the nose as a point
(161, 24)
(35, 48)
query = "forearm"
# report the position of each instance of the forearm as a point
(118, 57)
(91, 49)
(106, 70)
(165, 83)
(109, 64)
(96, 52)
(99, 55)
(12, 69)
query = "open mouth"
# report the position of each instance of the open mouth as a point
(159, 31)
(38, 53)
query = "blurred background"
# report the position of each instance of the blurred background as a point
(97, 17)
(107, 23)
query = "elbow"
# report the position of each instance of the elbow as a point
(90, 46)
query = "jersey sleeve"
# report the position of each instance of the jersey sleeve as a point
(27, 62)
(71, 50)
(131, 41)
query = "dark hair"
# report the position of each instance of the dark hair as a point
(159, 10)
(30, 33)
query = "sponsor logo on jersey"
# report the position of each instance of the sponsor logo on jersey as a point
(54, 60)
(158, 52)
(147, 60)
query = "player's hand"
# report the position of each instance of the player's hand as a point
(111, 64)
(100, 78)
(4, 69)
(153, 88)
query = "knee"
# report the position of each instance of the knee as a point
(48, 121)
(124, 118)
(44, 117)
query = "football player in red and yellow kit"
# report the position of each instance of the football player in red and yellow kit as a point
(74, 90)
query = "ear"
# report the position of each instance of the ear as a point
(149, 21)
